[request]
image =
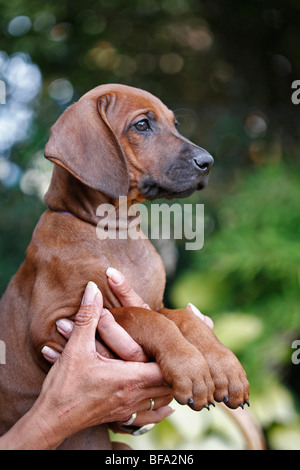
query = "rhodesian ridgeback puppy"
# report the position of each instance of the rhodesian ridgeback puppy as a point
(116, 140)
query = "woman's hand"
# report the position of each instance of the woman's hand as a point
(129, 298)
(117, 343)
(121, 387)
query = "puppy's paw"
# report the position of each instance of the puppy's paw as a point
(188, 375)
(229, 377)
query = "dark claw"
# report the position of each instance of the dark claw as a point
(226, 399)
(206, 406)
(241, 405)
(180, 402)
(247, 402)
(212, 403)
(190, 402)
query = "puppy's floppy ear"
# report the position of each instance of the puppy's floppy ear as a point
(83, 142)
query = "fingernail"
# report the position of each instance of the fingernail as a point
(98, 301)
(49, 353)
(64, 325)
(89, 293)
(104, 312)
(171, 412)
(195, 310)
(143, 429)
(115, 275)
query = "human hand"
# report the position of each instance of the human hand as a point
(202, 317)
(131, 383)
(129, 298)
(116, 338)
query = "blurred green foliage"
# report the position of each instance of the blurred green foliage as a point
(226, 69)
(250, 268)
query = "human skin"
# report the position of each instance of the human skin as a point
(73, 396)
(84, 388)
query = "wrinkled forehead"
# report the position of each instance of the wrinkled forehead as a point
(126, 100)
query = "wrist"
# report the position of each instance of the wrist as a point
(36, 430)
(29, 433)
(51, 424)
(46, 431)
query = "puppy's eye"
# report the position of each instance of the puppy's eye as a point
(143, 125)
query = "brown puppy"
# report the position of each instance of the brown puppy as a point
(116, 140)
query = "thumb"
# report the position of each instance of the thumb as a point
(87, 317)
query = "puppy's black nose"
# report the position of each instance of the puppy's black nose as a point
(203, 161)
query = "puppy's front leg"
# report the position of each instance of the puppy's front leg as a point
(231, 384)
(182, 365)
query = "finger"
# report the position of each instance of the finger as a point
(145, 408)
(154, 416)
(161, 398)
(153, 397)
(200, 315)
(50, 354)
(147, 377)
(118, 340)
(123, 290)
(87, 318)
(209, 322)
(104, 351)
(65, 327)
(148, 418)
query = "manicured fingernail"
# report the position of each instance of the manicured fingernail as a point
(143, 429)
(195, 310)
(90, 293)
(115, 275)
(50, 353)
(64, 325)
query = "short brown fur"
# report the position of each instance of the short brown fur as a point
(99, 155)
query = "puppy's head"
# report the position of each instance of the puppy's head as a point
(116, 137)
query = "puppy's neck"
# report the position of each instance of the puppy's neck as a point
(69, 195)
